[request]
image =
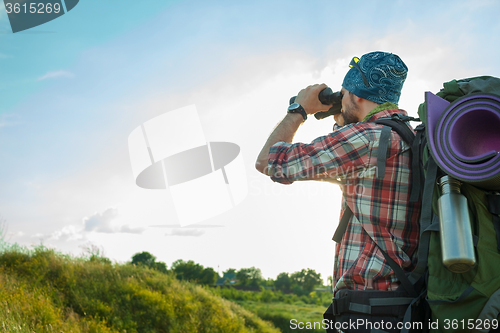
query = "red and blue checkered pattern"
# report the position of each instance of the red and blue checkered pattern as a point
(382, 213)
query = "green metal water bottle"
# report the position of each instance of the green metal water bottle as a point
(455, 227)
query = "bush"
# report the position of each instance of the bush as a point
(44, 291)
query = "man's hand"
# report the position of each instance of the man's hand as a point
(285, 131)
(309, 100)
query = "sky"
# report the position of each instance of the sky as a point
(73, 89)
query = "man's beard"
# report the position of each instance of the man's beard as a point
(348, 112)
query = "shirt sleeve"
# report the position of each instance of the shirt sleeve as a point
(336, 155)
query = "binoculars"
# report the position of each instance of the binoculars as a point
(327, 97)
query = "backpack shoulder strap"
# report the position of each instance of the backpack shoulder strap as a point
(426, 221)
(399, 127)
(397, 123)
(342, 227)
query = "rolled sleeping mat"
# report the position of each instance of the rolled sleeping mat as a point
(464, 137)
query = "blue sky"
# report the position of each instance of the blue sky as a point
(73, 89)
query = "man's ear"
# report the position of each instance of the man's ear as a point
(360, 99)
(355, 98)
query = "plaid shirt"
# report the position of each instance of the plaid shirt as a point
(382, 214)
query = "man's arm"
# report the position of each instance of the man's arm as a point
(286, 129)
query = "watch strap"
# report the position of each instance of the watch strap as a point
(300, 110)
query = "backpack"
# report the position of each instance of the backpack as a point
(435, 299)
(470, 301)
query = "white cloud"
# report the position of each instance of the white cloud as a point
(68, 233)
(98, 223)
(101, 222)
(56, 74)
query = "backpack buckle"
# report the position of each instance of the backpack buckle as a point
(398, 116)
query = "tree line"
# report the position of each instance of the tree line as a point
(300, 283)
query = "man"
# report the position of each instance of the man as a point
(382, 219)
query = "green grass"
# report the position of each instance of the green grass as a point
(281, 314)
(280, 308)
(43, 291)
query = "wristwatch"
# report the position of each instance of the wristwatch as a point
(297, 108)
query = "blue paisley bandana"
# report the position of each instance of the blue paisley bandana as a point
(385, 73)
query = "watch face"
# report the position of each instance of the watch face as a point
(294, 106)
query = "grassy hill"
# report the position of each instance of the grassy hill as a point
(43, 291)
